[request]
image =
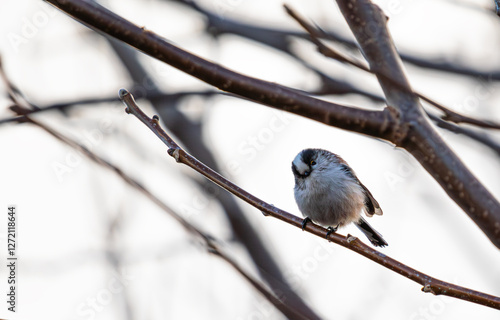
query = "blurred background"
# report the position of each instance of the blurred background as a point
(91, 247)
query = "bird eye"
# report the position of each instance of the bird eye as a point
(313, 162)
(306, 173)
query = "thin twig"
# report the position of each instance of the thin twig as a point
(63, 106)
(370, 122)
(277, 38)
(190, 134)
(24, 108)
(473, 134)
(315, 34)
(401, 122)
(429, 284)
(418, 136)
(443, 122)
(211, 244)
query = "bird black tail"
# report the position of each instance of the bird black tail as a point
(375, 238)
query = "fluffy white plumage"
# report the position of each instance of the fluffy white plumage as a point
(329, 193)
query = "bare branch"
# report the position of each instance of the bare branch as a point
(429, 284)
(473, 134)
(278, 39)
(211, 244)
(376, 123)
(403, 123)
(158, 97)
(417, 135)
(453, 116)
(327, 51)
(23, 108)
(330, 52)
(190, 133)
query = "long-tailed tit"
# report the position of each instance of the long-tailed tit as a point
(328, 192)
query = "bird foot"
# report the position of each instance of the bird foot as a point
(305, 222)
(331, 230)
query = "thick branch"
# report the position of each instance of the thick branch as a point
(293, 308)
(450, 115)
(429, 284)
(375, 123)
(278, 39)
(442, 122)
(211, 244)
(327, 51)
(368, 23)
(411, 131)
(190, 134)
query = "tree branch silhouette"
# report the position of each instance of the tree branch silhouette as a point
(277, 38)
(402, 122)
(212, 245)
(369, 122)
(280, 40)
(473, 134)
(418, 136)
(448, 121)
(449, 115)
(66, 105)
(293, 309)
(430, 284)
(190, 133)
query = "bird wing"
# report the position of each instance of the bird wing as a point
(372, 206)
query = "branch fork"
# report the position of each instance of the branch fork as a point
(430, 284)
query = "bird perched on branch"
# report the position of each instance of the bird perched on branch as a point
(328, 192)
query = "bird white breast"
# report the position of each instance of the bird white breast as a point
(330, 196)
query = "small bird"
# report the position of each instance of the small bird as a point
(328, 192)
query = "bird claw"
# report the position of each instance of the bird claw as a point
(305, 222)
(331, 230)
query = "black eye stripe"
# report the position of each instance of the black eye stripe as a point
(307, 155)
